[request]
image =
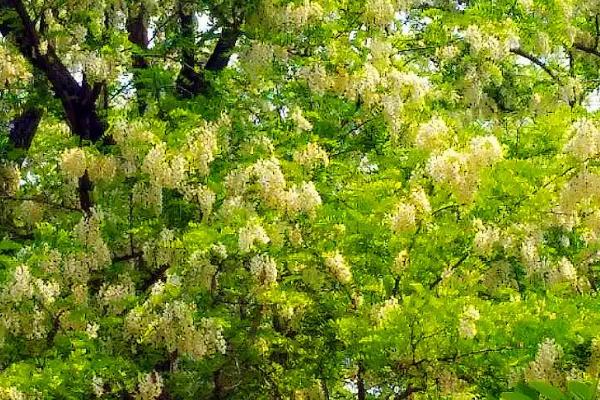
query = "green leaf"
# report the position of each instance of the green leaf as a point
(548, 390)
(514, 396)
(9, 245)
(580, 390)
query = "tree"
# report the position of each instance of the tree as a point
(298, 199)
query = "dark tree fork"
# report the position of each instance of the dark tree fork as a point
(79, 100)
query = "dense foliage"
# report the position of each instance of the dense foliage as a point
(275, 199)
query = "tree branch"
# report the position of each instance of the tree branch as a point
(24, 126)
(78, 100)
(191, 82)
(452, 268)
(137, 28)
(587, 49)
(536, 61)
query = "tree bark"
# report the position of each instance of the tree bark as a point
(23, 127)
(360, 382)
(137, 29)
(78, 100)
(192, 80)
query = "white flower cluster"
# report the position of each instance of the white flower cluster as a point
(164, 170)
(258, 144)
(582, 192)
(379, 12)
(401, 89)
(304, 199)
(101, 168)
(312, 156)
(412, 86)
(88, 232)
(591, 228)
(48, 291)
(301, 122)
(585, 143)
(113, 296)
(486, 45)
(294, 16)
(299, 15)
(171, 325)
(530, 255)
(564, 272)
(165, 250)
(380, 51)
(485, 151)
(148, 196)
(271, 185)
(29, 212)
(73, 163)
(388, 307)
(487, 237)
(432, 135)
(257, 60)
(338, 267)
(367, 84)
(317, 78)
(401, 262)
(365, 165)
(467, 327)
(131, 136)
(10, 177)
(13, 68)
(543, 368)
(22, 287)
(405, 216)
(202, 195)
(264, 269)
(149, 386)
(200, 271)
(250, 235)
(97, 68)
(459, 170)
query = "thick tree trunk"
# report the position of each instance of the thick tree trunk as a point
(79, 101)
(192, 79)
(360, 382)
(137, 28)
(24, 126)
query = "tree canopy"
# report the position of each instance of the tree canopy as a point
(299, 199)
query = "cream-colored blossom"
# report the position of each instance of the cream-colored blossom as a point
(312, 156)
(401, 262)
(257, 60)
(337, 265)
(404, 218)
(301, 122)
(10, 178)
(379, 12)
(150, 386)
(419, 199)
(251, 235)
(21, 287)
(264, 269)
(467, 327)
(486, 238)
(543, 368)
(585, 143)
(485, 151)
(73, 162)
(432, 135)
